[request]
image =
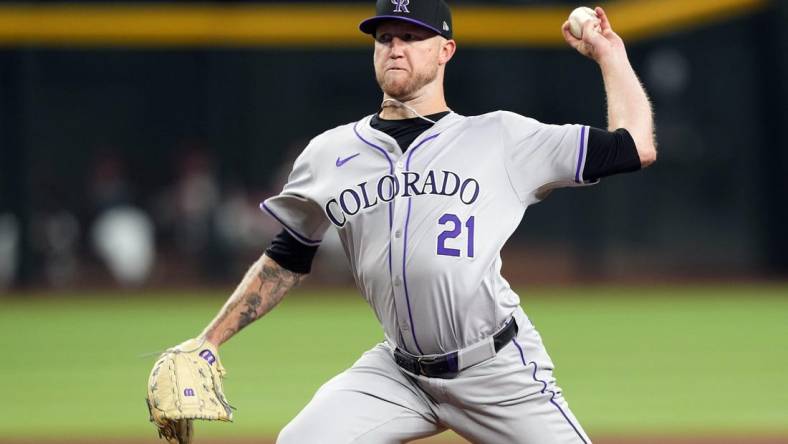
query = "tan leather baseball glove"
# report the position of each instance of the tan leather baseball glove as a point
(186, 384)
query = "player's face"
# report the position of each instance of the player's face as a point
(407, 58)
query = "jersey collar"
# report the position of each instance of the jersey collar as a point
(390, 145)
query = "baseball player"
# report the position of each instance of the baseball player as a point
(423, 200)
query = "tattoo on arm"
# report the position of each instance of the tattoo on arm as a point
(263, 287)
(252, 301)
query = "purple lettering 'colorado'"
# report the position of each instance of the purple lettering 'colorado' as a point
(408, 184)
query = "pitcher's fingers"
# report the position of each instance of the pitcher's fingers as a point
(603, 20)
(591, 31)
(573, 42)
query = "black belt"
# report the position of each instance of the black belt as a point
(447, 366)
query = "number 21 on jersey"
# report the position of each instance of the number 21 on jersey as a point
(454, 229)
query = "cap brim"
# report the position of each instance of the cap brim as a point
(369, 25)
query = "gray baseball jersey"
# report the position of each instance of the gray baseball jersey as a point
(423, 230)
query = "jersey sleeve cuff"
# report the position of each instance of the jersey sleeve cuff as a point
(270, 206)
(582, 158)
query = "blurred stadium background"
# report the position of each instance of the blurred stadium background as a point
(137, 139)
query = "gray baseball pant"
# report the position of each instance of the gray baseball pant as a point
(510, 398)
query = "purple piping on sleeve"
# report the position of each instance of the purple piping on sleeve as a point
(295, 233)
(580, 154)
(544, 389)
(405, 249)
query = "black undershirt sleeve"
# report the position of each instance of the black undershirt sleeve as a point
(291, 254)
(610, 153)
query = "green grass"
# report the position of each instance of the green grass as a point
(703, 360)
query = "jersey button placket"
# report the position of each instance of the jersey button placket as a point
(398, 250)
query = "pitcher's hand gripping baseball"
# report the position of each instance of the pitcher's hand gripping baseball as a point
(598, 40)
(186, 384)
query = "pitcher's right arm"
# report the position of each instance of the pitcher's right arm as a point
(263, 287)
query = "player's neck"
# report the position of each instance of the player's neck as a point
(393, 111)
(426, 103)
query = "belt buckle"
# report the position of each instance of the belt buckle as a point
(408, 362)
(444, 371)
(421, 361)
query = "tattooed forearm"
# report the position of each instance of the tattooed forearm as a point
(264, 286)
(252, 302)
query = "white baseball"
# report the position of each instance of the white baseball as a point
(578, 18)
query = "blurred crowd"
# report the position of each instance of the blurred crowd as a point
(197, 229)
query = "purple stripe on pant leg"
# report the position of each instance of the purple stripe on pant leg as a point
(544, 389)
(580, 154)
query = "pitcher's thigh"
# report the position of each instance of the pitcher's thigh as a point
(344, 417)
(513, 398)
(371, 402)
(545, 419)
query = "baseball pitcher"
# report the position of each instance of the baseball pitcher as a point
(423, 199)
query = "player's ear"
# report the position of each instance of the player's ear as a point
(447, 50)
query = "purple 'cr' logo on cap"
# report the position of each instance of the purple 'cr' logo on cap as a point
(188, 392)
(401, 5)
(208, 356)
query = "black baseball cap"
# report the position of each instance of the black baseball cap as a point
(431, 14)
